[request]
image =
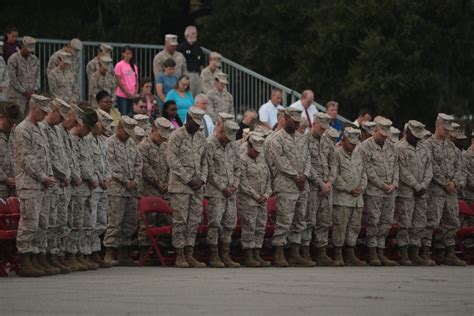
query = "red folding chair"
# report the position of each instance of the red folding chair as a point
(465, 232)
(149, 205)
(464, 208)
(271, 211)
(203, 228)
(8, 231)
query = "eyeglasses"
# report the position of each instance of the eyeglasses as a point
(143, 107)
(147, 87)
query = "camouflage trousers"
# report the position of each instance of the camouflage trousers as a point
(122, 221)
(346, 228)
(187, 214)
(222, 220)
(290, 218)
(154, 220)
(195, 84)
(78, 214)
(98, 220)
(57, 226)
(253, 221)
(318, 219)
(32, 228)
(443, 213)
(410, 214)
(380, 212)
(6, 192)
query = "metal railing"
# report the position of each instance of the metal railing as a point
(249, 89)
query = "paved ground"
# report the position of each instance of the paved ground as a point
(244, 291)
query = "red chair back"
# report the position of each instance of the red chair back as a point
(464, 209)
(271, 209)
(14, 204)
(153, 204)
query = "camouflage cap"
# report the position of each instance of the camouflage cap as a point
(416, 128)
(323, 119)
(281, 112)
(352, 135)
(89, 117)
(263, 130)
(105, 60)
(226, 116)
(29, 43)
(369, 127)
(245, 132)
(333, 133)
(77, 112)
(41, 101)
(139, 132)
(128, 124)
(447, 121)
(395, 134)
(76, 43)
(11, 111)
(106, 48)
(221, 77)
(142, 120)
(427, 133)
(63, 107)
(257, 143)
(164, 127)
(384, 125)
(172, 39)
(196, 114)
(65, 57)
(456, 127)
(106, 119)
(230, 129)
(294, 114)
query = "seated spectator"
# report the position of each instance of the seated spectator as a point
(138, 107)
(170, 112)
(105, 103)
(10, 42)
(181, 96)
(146, 91)
(201, 102)
(364, 115)
(166, 80)
(208, 73)
(249, 116)
(268, 111)
(332, 110)
(306, 105)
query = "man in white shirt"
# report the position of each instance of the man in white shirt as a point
(268, 112)
(364, 115)
(306, 105)
(201, 101)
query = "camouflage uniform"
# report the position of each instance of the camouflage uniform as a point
(381, 165)
(24, 75)
(4, 81)
(75, 66)
(94, 65)
(155, 174)
(186, 157)
(290, 156)
(98, 82)
(443, 209)
(348, 173)
(6, 163)
(255, 181)
(32, 167)
(63, 85)
(415, 174)
(125, 164)
(468, 192)
(207, 79)
(178, 58)
(219, 102)
(223, 172)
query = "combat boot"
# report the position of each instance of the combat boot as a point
(439, 256)
(180, 261)
(338, 262)
(124, 258)
(295, 260)
(452, 259)
(425, 255)
(322, 259)
(415, 259)
(72, 262)
(109, 257)
(256, 255)
(373, 258)
(189, 255)
(350, 259)
(34, 262)
(27, 269)
(53, 261)
(384, 260)
(305, 253)
(404, 260)
(279, 257)
(225, 256)
(249, 259)
(95, 257)
(80, 262)
(44, 264)
(62, 261)
(214, 260)
(90, 263)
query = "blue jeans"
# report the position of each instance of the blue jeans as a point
(124, 105)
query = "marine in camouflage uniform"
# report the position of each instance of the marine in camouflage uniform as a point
(220, 100)
(102, 79)
(62, 83)
(468, 193)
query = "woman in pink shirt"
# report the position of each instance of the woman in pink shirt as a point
(126, 75)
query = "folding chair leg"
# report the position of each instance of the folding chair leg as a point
(3, 272)
(158, 252)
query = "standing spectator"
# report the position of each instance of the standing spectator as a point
(3, 75)
(102, 79)
(10, 41)
(364, 116)
(61, 80)
(24, 73)
(306, 105)
(220, 100)
(249, 117)
(166, 80)
(171, 41)
(146, 91)
(73, 48)
(105, 103)
(126, 75)
(208, 73)
(194, 58)
(182, 96)
(104, 50)
(170, 112)
(201, 103)
(268, 111)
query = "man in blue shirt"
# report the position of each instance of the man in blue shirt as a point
(332, 110)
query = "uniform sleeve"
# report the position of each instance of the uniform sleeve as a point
(204, 166)
(245, 186)
(85, 160)
(363, 180)
(396, 170)
(138, 166)
(38, 75)
(3, 74)
(211, 178)
(12, 73)
(428, 176)
(24, 152)
(406, 176)
(174, 161)
(438, 173)
(116, 171)
(237, 167)
(3, 159)
(339, 182)
(52, 63)
(211, 106)
(307, 159)
(279, 159)
(53, 84)
(157, 66)
(148, 172)
(370, 170)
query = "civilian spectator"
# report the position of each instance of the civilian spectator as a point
(10, 42)
(166, 80)
(171, 41)
(102, 79)
(208, 73)
(181, 96)
(195, 60)
(201, 103)
(220, 100)
(126, 76)
(268, 111)
(146, 91)
(332, 108)
(249, 117)
(306, 105)
(170, 112)
(105, 103)
(138, 107)
(364, 115)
